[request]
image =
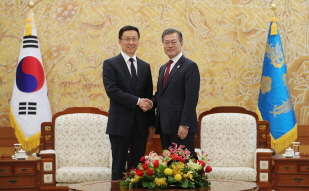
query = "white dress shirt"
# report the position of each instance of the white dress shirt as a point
(128, 62)
(175, 60)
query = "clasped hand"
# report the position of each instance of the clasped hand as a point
(145, 104)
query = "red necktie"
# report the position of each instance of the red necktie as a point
(167, 72)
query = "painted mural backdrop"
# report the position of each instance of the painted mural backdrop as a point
(226, 38)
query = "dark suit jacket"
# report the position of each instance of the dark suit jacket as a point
(176, 101)
(123, 99)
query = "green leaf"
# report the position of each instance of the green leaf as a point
(164, 186)
(123, 183)
(148, 177)
(200, 184)
(123, 187)
(184, 184)
(145, 184)
(191, 184)
(161, 168)
(152, 185)
(170, 179)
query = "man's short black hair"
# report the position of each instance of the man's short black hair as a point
(128, 28)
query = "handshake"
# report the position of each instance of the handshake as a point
(145, 104)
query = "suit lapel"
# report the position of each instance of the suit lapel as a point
(123, 65)
(173, 72)
(139, 71)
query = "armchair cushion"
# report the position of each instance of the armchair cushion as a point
(230, 139)
(233, 173)
(81, 141)
(82, 174)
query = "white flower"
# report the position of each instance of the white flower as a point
(194, 166)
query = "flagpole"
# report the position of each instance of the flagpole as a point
(274, 103)
(28, 21)
(30, 105)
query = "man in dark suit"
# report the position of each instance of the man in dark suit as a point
(177, 94)
(127, 81)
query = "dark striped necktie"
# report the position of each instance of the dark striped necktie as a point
(133, 73)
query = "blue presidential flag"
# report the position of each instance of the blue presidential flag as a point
(274, 104)
(29, 104)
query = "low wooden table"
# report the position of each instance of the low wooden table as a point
(216, 185)
(19, 174)
(291, 173)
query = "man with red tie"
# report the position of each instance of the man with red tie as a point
(177, 94)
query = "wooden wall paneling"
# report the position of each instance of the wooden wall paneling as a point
(7, 137)
(303, 138)
(7, 141)
(303, 134)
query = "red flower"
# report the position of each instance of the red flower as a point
(175, 157)
(155, 163)
(182, 160)
(142, 159)
(145, 166)
(149, 171)
(208, 169)
(132, 169)
(124, 178)
(139, 172)
(202, 163)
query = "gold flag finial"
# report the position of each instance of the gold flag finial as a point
(29, 21)
(273, 7)
(31, 4)
(273, 30)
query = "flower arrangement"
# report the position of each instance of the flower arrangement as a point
(174, 168)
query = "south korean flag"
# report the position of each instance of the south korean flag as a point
(29, 104)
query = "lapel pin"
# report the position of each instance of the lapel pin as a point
(178, 66)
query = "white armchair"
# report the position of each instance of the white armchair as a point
(74, 147)
(238, 145)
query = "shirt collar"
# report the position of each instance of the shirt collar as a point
(126, 57)
(176, 58)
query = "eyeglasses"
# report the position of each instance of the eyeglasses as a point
(167, 43)
(129, 39)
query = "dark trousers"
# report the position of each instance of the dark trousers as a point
(168, 139)
(120, 146)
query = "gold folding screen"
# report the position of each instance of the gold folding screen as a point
(226, 38)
